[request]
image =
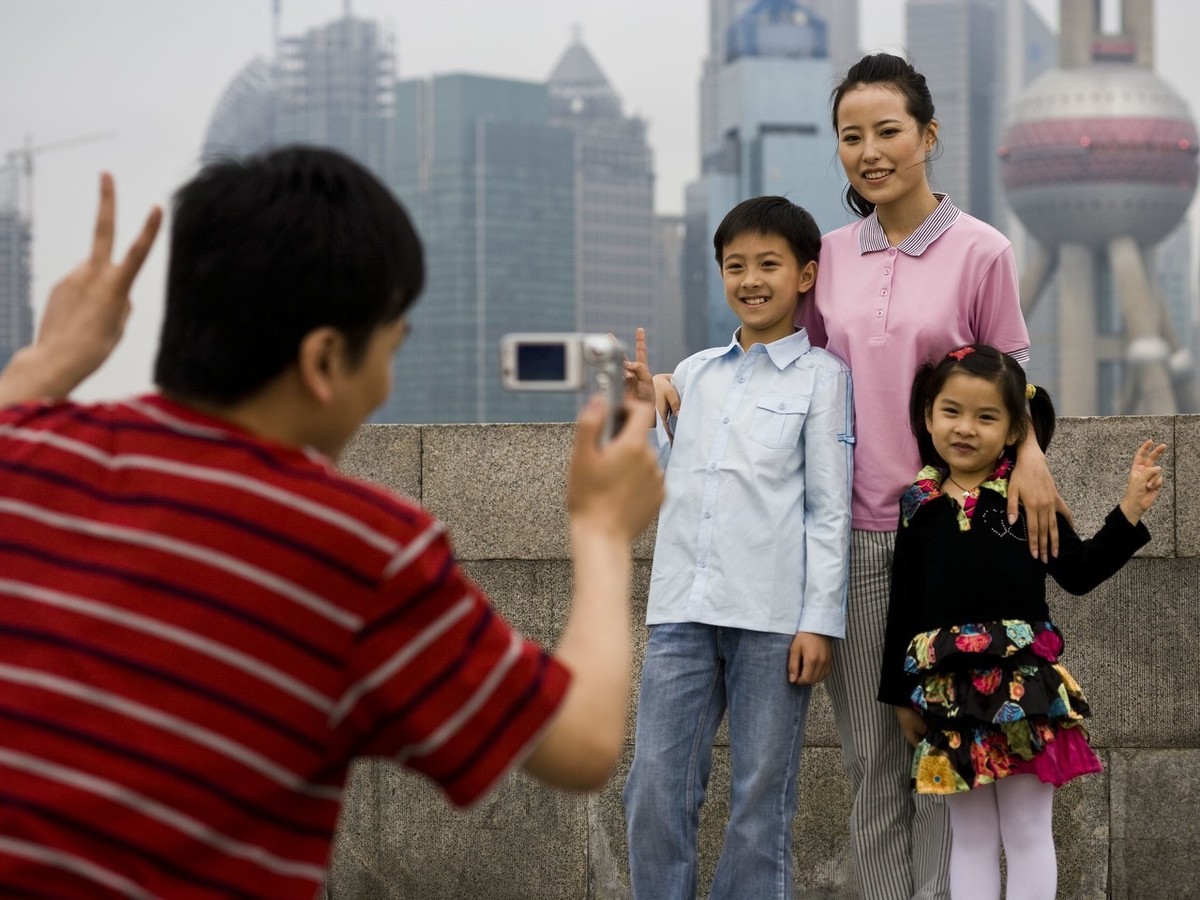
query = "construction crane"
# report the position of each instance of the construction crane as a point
(22, 159)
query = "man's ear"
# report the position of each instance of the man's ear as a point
(808, 276)
(319, 361)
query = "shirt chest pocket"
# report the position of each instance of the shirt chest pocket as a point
(777, 419)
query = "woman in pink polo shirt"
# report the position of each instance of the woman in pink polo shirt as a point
(912, 278)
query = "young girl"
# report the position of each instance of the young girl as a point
(970, 656)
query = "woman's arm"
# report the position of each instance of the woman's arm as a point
(998, 320)
(1031, 485)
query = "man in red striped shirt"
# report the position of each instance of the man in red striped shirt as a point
(202, 622)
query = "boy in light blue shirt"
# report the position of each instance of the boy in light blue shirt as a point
(748, 587)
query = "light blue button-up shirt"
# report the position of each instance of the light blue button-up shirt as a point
(755, 530)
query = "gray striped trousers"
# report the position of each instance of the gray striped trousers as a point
(900, 842)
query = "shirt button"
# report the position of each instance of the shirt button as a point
(725, 421)
(879, 313)
(883, 293)
(887, 271)
(703, 563)
(783, 406)
(741, 379)
(712, 465)
(708, 514)
(891, 251)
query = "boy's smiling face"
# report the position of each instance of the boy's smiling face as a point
(763, 284)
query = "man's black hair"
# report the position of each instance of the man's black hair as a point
(264, 250)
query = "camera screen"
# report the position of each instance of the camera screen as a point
(541, 362)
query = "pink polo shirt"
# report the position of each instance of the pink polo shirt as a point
(886, 310)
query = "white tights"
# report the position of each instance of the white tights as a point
(1016, 811)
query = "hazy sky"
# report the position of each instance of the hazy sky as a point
(151, 72)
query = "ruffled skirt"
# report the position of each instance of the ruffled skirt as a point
(996, 703)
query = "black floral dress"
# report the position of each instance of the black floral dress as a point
(970, 644)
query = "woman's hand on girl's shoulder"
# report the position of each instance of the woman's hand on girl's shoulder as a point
(1145, 481)
(1031, 485)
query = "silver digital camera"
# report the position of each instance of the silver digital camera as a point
(594, 363)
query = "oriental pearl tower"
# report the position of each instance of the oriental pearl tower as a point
(1099, 161)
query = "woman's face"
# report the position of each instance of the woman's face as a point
(882, 147)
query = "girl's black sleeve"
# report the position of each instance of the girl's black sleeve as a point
(1081, 565)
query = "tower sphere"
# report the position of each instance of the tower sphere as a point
(1100, 151)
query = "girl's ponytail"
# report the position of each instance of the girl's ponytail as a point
(1041, 414)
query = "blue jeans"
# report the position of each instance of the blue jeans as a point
(691, 674)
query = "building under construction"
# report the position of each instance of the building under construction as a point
(336, 88)
(332, 86)
(16, 312)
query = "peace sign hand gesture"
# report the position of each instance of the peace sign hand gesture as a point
(85, 314)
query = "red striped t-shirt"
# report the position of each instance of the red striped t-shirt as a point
(199, 629)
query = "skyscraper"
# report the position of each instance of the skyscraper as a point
(244, 120)
(765, 108)
(491, 185)
(16, 312)
(535, 202)
(615, 260)
(721, 15)
(976, 55)
(668, 343)
(841, 19)
(331, 86)
(842, 39)
(335, 90)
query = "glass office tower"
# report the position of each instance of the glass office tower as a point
(491, 186)
(765, 108)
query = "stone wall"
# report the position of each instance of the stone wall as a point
(1133, 643)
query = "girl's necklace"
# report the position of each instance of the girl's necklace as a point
(966, 493)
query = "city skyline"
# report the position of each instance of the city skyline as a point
(767, 131)
(153, 73)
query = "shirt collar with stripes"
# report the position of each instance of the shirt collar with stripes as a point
(872, 236)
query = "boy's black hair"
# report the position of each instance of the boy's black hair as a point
(981, 361)
(772, 216)
(897, 73)
(264, 250)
